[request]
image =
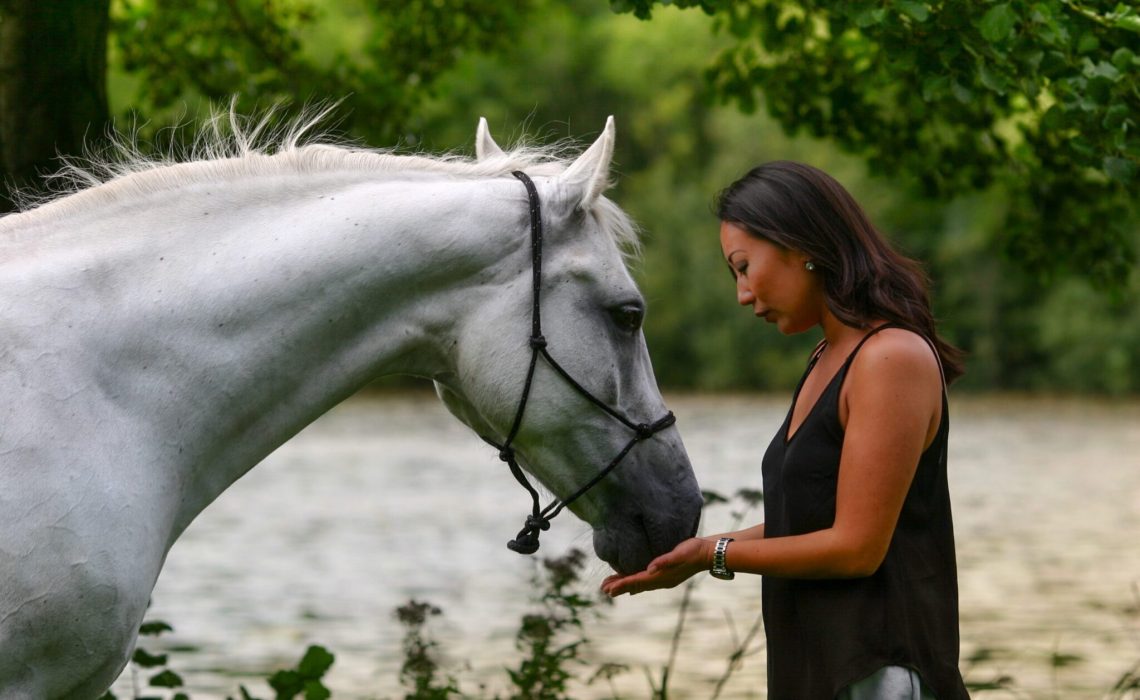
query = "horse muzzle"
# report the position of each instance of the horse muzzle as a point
(636, 532)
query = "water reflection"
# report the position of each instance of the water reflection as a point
(390, 498)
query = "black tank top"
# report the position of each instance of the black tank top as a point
(824, 634)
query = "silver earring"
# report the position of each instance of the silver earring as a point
(809, 266)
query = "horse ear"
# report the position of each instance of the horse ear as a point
(588, 176)
(485, 146)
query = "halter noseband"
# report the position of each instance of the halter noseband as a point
(526, 542)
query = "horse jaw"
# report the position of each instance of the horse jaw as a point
(458, 405)
(485, 146)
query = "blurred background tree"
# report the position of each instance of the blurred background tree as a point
(1038, 97)
(49, 106)
(996, 142)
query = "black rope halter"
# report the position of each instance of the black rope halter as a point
(526, 542)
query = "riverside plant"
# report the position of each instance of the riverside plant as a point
(552, 642)
(550, 639)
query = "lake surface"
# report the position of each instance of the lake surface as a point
(386, 499)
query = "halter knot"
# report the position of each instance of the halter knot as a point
(526, 542)
(507, 454)
(537, 522)
(538, 342)
(644, 431)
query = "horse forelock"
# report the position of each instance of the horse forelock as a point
(232, 147)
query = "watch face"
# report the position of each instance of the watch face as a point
(723, 575)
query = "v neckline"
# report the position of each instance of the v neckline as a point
(788, 435)
(827, 387)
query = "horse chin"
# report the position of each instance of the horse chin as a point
(630, 549)
(624, 554)
(630, 536)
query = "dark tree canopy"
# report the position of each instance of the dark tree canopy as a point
(1006, 126)
(270, 52)
(53, 94)
(1040, 98)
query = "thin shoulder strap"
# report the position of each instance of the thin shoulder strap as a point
(929, 343)
(817, 351)
(851, 356)
(937, 358)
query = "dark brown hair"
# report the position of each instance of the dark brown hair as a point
(802, 208)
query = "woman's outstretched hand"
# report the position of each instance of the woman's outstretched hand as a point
(666, 571)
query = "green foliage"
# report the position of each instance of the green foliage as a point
(383, 64)
(1040, 97)
(552, 638)
(304, 681)
(143, 660)
(555, 69)
(418, 672)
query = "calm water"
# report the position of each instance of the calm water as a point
(387, 499)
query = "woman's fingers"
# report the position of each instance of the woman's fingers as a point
(616, 585)
(665, 571)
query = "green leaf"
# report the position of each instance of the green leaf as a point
(870, 17)
(994, 81)
(145, 659)
(998, 22)
(1053, 119)
(1123, 59)
(315, 663)
(1104, 69)
(286, 683)
(935, 87)
(917, 11)
(166, 679)
(155, 628)
(1115, 117)
(315, 690)
(712, 498)
(1120, 169)
(961, 93)
(1130, 23)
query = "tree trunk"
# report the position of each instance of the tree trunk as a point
(53, 85)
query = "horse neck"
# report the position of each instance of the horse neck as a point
(225, 319)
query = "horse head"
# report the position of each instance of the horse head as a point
(556, 371)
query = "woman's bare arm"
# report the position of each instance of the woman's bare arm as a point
(893, 400)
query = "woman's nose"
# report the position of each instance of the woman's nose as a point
(744, 295)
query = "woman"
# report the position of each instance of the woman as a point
(860, 591)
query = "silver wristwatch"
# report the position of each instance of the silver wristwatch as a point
(719, 567)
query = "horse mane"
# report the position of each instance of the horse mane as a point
(232, 146)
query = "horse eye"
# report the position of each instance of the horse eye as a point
(628, 316)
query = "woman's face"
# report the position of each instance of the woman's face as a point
(772, 280)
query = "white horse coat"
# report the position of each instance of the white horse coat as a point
(162, 332)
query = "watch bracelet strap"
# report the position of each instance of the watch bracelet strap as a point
(720, 554)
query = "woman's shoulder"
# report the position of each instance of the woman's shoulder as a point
(897, 356)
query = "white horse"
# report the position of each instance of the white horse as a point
(164, 330)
